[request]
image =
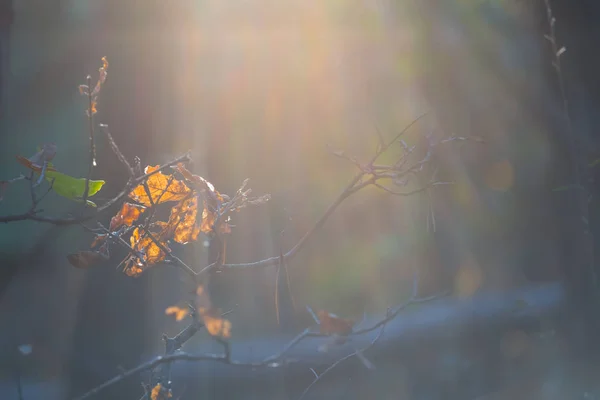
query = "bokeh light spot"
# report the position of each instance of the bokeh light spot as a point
(465, 194)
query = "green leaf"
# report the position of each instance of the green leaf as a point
(72, 188)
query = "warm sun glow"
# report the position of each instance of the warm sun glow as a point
(247, 170)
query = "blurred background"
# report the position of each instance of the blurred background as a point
(258, 89)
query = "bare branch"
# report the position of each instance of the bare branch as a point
(173, 258)
(92, 161)
(352, 187)
(4, 184)
(42, 175)
(152, 364)
(342, 154)
(347, 192)
(397, 311)
(274, 361)
(357, 353)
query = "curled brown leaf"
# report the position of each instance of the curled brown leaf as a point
(331, 324)
(127, 215)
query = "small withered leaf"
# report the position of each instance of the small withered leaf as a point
(196, 179)
(200, 184)
(145, 252)
(98, 240)
(133, 270)
(85, 89)
(127, 215)
(44, 155)
(145, 244)
(162, 188)
(331, 324)
(85, 258)
(215, 324)
(94, 107)
(212, 202)
(179, 313)
(160, 393)
(183, 222)
(208, 222)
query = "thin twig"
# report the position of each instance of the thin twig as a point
(174, 259)
(19, 379)
(117, 151)
(397, 311)
(357, 353)
(409, 193)
(573, 144)
(32, 214)
(352, 187)
(42, 174)
(32, 194)
(92, 161)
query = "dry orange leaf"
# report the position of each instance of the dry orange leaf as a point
(215, 198)
(183, 221)
(149, 251)
(212, 201)
(208, 222)
(165, 229)
(162, 188)
(85, 259)
(331, 324)
(36, 162)
(147, 246)
(180, 313)
(215, 324)
(99, 239)
(202, 183)
(102, 73)
(128, 214)
(160, 393)
(133, 270)
(85, 90)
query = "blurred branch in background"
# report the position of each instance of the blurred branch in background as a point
(328, 329)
